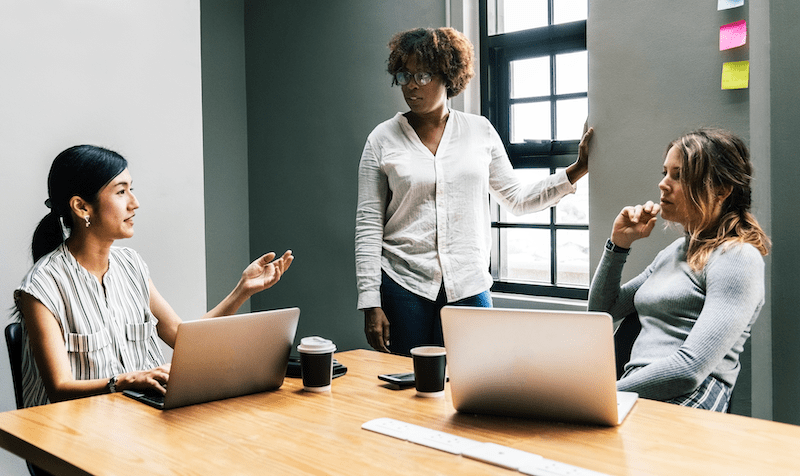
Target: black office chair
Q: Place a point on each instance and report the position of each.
(626, 333)
(14, 343)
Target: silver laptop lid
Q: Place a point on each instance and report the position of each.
(554, 365)
(230, 356)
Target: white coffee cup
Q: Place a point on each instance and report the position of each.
(316, 363)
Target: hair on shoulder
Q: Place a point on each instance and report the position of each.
(716, 163)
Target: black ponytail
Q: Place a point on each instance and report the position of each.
(82, 171)
(47, 237)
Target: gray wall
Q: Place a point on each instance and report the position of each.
(784, 106)
(125, 75)
(225, 146)
(655, 73)
(316, 86)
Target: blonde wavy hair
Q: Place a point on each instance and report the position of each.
(715, 161)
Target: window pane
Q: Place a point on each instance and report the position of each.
(531, 121)
(565, 11)
(573, 209)
(530, 77)
(573, 257)
(571, 115)
(572, 73)
(515, 15)
(525, 256)
(538, 218)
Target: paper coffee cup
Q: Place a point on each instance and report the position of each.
(429, 370)
(316, 363)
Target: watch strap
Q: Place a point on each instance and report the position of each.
(610, 246)
(112, 384)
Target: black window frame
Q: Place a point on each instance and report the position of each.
(496, 54)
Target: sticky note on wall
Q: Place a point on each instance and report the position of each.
(726, 4)
(732, 35)
(736, 75)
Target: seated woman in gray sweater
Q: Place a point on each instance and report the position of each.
(701, 295)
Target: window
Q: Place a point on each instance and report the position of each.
(535, 91)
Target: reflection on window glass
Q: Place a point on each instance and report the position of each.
(538, 218)
(572, 73)
(573, 209)
(565, 11)
(527, 256)
(530, 122)
(573, 257)
(516, 15)
(571, 115)
(540, 99)
(530, 77)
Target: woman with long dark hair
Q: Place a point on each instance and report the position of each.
(89, 311)
(699, 298)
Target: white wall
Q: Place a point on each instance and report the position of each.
(124, 75)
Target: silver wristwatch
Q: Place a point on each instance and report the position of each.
(112, 384)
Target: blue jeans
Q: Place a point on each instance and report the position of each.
(415, 320)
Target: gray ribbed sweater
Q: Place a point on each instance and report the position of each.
(693, 324)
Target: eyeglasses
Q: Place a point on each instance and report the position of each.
(404, 77)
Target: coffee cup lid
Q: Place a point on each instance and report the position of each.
(428, 351)
(315, 345)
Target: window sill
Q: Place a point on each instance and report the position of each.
(524, 301)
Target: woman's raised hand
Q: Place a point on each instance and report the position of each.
(264, 272)
(581, 166)
(633, 223)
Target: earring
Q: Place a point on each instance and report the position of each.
(87, 221)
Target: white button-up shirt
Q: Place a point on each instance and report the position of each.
(424, 219)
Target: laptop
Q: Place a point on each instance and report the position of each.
(226, 357)
(553, 365)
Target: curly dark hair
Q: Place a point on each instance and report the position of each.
(444, 50)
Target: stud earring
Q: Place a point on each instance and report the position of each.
(87, 221)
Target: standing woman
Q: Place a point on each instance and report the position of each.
(701, 295)
(423, 224)
(89, 310)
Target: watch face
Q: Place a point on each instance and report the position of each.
(112, 384)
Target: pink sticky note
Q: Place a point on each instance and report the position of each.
(732, 35)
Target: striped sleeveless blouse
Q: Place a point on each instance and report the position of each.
(108, 329)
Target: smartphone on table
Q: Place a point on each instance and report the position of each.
(398, 381)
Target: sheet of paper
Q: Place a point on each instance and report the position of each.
(732, 35)
(736, 75)
(727, 4)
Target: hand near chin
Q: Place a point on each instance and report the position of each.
(633, 223)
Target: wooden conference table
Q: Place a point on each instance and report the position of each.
(290, 431)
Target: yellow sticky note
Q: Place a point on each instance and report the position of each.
(736, 75)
